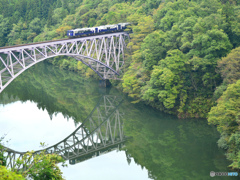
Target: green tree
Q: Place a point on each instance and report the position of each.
(229, 66)
(18, 34)
(6, 174)
(34, 28)
(167, 81)
(43, 167)
(227, 118)
(4, 30)
(58, 15)
(49, 18)
(211, 45)
(152, 49)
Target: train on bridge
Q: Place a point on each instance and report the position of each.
(97, 30)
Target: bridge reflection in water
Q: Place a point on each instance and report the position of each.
(100, 133)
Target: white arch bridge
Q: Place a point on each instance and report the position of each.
(102, 53)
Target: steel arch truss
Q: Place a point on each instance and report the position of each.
(101, 132)
(103, 53)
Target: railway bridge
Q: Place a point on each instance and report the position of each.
(100, 133)
(104, 54)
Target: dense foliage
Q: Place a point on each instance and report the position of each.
(6, 174)
(39, 166)
(175, 69)
(226, 114)
(178, 58)
(43, 167)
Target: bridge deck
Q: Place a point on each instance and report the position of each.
(52, 42)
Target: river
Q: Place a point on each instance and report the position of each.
(46, 104)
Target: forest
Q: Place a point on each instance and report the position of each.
(183, 58)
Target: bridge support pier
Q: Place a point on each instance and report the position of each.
(104, 83)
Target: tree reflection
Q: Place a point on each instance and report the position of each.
(169, 148)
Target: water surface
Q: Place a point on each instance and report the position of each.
(46, 104)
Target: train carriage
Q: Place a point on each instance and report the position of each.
(96, 30)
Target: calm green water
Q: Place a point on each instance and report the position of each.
(46, 104)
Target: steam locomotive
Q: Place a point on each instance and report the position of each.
(96, 30)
